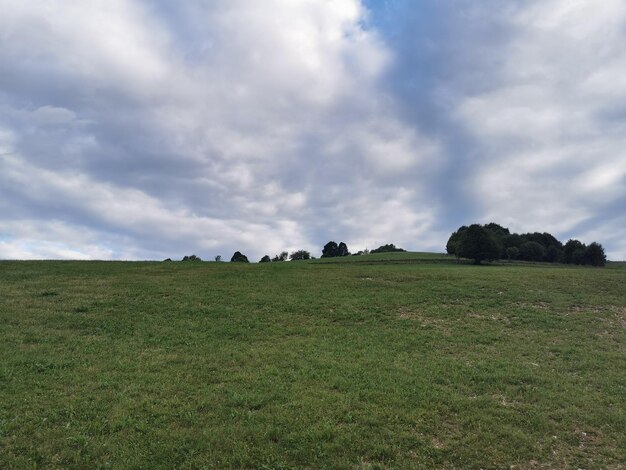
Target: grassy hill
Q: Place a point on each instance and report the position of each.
(381, 361)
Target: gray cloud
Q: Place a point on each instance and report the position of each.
(150, 130)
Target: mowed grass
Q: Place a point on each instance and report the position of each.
(381, 361)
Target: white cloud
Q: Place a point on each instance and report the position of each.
(215, 141)
(552, 156)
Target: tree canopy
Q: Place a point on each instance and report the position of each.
(238, 257)
(299, 255)
(478, 243)
(536, 246)
(332, 250)
(389, 248)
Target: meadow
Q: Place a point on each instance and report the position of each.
(397, 360)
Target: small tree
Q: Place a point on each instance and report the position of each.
(300, 255)
(239, 258)
(478, 243)
(192, 258)
(282, 257)
(218, 258)
(265, 259)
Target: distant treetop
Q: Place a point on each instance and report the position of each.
(332, 250)
(239, 258)
(390, 248)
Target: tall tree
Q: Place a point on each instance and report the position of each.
(479, 244)
(330, 250)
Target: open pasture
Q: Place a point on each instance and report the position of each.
(380, 361)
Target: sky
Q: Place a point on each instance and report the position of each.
(133, 129)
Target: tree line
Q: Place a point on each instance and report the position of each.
(330, 250)
(493, 242)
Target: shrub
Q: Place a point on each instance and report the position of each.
(192, 258)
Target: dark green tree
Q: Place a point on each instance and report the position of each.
(330, 250)
(239, 258)
(452, 246)
(513, 239)
(553, 254)
(532, 251)
(594, 255)
(342, 249)
(498, 230)
(570, 248)
(282, 257)
(512, 253)
(478, 243)
(389, 248)
(299, 255)
(265, 259)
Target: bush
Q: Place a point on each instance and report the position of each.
(239, 258)
(265, 259)
(192, 258)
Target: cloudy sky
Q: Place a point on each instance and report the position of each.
(134, 129)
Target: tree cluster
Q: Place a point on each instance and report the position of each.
(492, 241)
(332, 250)
(389, 248)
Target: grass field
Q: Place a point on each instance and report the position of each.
(380, 361)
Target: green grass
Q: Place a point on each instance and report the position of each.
(380, 361)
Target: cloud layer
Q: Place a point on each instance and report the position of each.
(145, 130)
